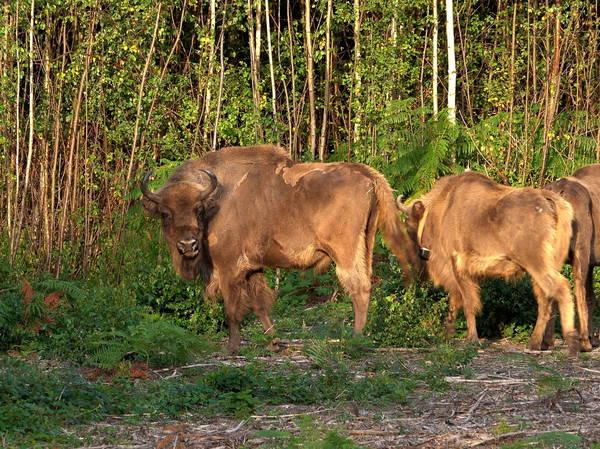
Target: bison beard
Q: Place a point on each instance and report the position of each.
(582, 191)
(475, 228)
(267, 211)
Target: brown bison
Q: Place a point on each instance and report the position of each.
(234, 212)
(468, 227)
(582, 190)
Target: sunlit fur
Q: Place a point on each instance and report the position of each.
(476, 228)
(582, 191)
(268, 211)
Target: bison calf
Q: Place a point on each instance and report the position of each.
(469, 227)
(228, 216)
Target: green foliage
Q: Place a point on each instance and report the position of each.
(447, 360)
(400, 316)
(554, 440)
(37, 402)
(549, 381)
(157, 344)
(311, 435)
(509, 309)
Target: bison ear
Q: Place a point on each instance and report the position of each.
(150, 206)
(418, 210)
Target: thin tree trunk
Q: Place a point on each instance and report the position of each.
(551, 96)
(271, 70)
(356, 75)
(511, 81)
(451, 62)
(323, 137)
(312, 143)
(211, 57)
(254, 38)
(136, 127)
(295, 114)
(15, 231)
(221, 79)
(164, 71)
(23, 203)
(67, 198)
(435, 57)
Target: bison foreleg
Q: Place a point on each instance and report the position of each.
(236, 305)
(454, 305)
(261, 301)
(471, 301)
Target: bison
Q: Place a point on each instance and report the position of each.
(582, 190)
(469, 227)
(231, 214)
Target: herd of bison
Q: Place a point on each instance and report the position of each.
(234, 212)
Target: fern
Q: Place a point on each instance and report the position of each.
(156, 343)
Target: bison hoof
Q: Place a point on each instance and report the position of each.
(274, 345)
(585, 345)
(547, 346)
(572, 341)
(534, 346)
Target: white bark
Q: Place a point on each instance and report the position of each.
(451, 62)
(435, 57)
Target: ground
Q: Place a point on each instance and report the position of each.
(507, 398)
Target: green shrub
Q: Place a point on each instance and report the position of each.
(157, 344)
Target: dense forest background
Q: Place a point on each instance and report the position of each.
(94, 92)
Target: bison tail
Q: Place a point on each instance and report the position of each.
(564, 229)
(393, 229)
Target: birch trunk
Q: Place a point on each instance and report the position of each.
(435, 58)
(451, 62)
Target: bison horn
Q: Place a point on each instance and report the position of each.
(401, 206)
(146, 191)
(211, 187)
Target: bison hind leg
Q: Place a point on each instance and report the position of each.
(549, 288)
(357, 284)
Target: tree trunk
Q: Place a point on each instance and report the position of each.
(451, 62)
(323, 137)
(551, 96)
(435, 58)
(271, 70)
(312, 143)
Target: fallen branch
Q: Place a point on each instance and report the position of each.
(453, 379)
(292, 415)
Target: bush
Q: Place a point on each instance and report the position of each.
(400, 316)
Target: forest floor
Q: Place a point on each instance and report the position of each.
(507, 398)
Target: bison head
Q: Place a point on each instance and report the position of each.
(414, 214)
(181, 207)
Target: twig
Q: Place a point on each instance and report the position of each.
(236, 428)
(471, 409)
(372, 432)
(589, 370)
(292, 415)
(452, 379)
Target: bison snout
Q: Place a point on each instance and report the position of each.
(188, 248)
